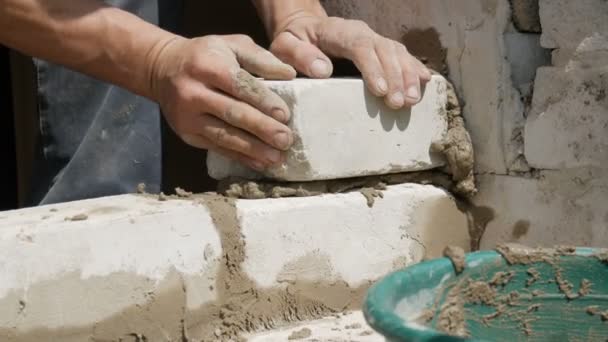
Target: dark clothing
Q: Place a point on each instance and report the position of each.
(97, 139)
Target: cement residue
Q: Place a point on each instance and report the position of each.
(247, 189)
(371, 193)
(457, 148)
(243, 307)
(78, 217)
(451, 319)
(300, 334)
(480, 292)
(457, 256)
(353, 326)
(182, 193)
(521, 255)
(141, 188)
(585, 287)
(452, 315)
(534, 276)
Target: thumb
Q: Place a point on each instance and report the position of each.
(304, 56)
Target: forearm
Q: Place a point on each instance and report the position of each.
(277, 14)
(85, 35)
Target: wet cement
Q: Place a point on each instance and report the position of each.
(457, 256)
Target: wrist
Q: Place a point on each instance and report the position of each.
(155, 69)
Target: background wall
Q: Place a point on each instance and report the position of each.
(535, 104)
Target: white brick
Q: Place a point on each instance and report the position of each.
(405, 223)
(567, 124)
(344, 131)
(137, 265)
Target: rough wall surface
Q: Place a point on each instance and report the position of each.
(539, 137)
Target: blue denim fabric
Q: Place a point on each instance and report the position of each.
(97, 139)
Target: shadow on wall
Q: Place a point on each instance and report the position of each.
(8, 160)
(388, 119)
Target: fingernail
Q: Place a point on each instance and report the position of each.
(412, 93)
(319, 68)
(282, 140)
(279, 114)
(273, 156)
(397, 99)
(257, 165)
(382, 85)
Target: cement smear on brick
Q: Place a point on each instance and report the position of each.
(242, 306)
(458, 149)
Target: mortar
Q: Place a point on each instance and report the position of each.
(512, 294)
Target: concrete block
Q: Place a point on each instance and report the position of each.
(567, 124)
(341, 131)
(567, 23)
(125, 266)
(557, 208)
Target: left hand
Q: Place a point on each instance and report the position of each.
(388, 69)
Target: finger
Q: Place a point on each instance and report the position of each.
(411, 77)
(304, 56)
(223, 135)
(424, 74)
(244, 116)
(243, 86)
(389, 58)
(354, 40)
(363, 55)
(204, 143)
(258, 60)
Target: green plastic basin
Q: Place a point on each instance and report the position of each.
(409, 304)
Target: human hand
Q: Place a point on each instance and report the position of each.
(388, 69)
(212, 102)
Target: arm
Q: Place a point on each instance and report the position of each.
(203, 85)
(87, 36)
(303, 36)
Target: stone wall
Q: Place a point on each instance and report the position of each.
(532, 77)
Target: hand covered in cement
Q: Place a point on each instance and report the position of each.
(388, 69)
(211, 100)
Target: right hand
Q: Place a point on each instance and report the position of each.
(211, 101)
